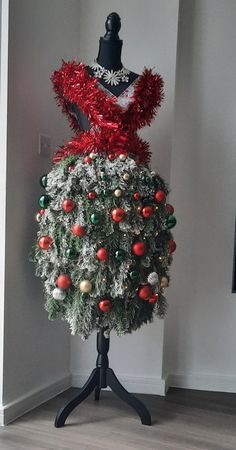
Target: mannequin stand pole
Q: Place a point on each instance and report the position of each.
(101, 377)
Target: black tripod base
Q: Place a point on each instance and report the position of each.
(101, 377)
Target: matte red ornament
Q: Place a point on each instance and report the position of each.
(91, 195)
(102, 254)
(41, 212)
(68, 205)
(78, 230)
(63, 281)
(45, 242)
(145, 292)
(170, 209)
(147, 212)
(139, 248)
(88, 160)
(171, 245)
(160, 196)
(118, 214)
(153, 298)
(105, 305)
(111, 156)
(136, 196)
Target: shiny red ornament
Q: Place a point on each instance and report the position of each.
(139, 248)
(145, 292)
(147, 212)
(154, 297)
(136, 196)
(118, 214)
(88, 160)
(63, 281)
(45, 242)
(160, 196)
(170, 209)
(41, 212)
(105, 305)
(68, 205)
(171, 246)
(102, 254)
(111, 156)
(78, 230)
(91, 195)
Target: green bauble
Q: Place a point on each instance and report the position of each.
(43, 181)
(44, 201)
(120, 255)
(84, 295)
(171, 222)
(71, 253)
(134, 275)
(95, 218)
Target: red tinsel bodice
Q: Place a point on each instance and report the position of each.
(113, 126)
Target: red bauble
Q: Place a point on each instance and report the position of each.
(118, 214)
(87, 160)
(68, 205)
(147, 211)
(153, 298)
(78, 230)
(171, 246)
(105, 305)
(136, 196)
(41, 212)
(91, 195)
(44, 242)
(160, 196)
(139, 248)
(170, 209)
(145, 292)
(63, 281)
(111, 156)
(102, 254)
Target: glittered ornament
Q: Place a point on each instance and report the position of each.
(153, 278)
(63, 281)
(171, 221)
(136, 196)
(122, 157)
(170, 208)
(154, 297)
(145, 292)
(44, 201)
(160, 196)
(88, 160)
(111, 157)
(95, 218)
(164, 282)
(102, 254)
(45, 242)
(59, 294)
(171, 246)
(71, 253)
(85, 286)
(68, 205)
(118, 214)
(43, 181)
(120, 255)
(118, 193)
(105, 305)
(78, 230)
(126, 177)
(139, 248)
(147, 212)
(91, 195)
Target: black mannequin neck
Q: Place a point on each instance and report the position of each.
(109, 54)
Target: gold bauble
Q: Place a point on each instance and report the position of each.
(126, 176)
(85, 286)
(122, 157)
(118, 193)
(164, 282)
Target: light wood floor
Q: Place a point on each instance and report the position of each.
(183, 420)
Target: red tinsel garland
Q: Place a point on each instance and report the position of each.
(114, 129)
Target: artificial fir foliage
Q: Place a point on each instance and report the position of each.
(104, 243)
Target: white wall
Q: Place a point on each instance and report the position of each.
(36, 352)
(200, 329)
(149, 32)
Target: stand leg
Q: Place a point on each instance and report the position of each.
(97, 393)
(88, 387)
(121, 392)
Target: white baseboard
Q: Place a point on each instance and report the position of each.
(32, 399)
(133, 383)
(203, 382)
